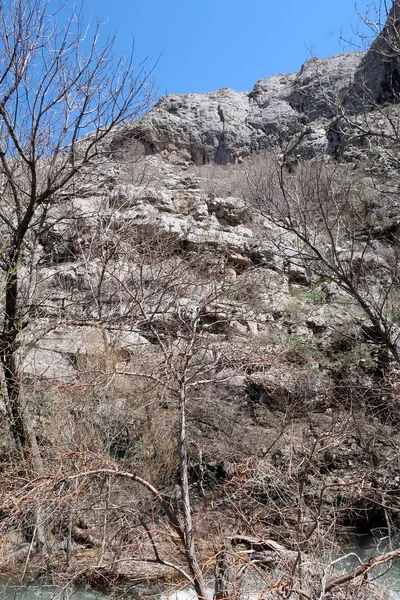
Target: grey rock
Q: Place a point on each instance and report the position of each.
(127, 340)
(297, 274)
(233, 211)
(224, 126)
(313, 143)
(238, 260)
(41, 362)
(124, 196)
(231, 376)
(57, 353)
(272, 124)
(89, 208)
(238, 327)
(203, 127)
(377, 79)
(69, 340)
(73, 278)
(278, 87)
(161, 199)
(253, 327)
(324, 82)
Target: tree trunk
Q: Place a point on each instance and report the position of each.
(21, 426)
(191, 557)
(15, 412)
(10, 330)
(225, 577)
(36, 461)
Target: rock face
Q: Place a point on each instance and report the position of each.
(58, 353)
(160, 271)
(377, 78)
(225, 125)
(322, 83)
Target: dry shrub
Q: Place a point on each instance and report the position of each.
(223, 181)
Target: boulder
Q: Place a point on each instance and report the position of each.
(231, 210)
(43, 362)
(56, 354)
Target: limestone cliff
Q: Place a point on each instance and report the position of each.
(224, 126)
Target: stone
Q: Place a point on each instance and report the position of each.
(312, 144)
(56, 354)
(42, 362)
(239, 260)
(224, 126)
(238, 327)
(321, 83)
(124, 196)
(127, 340)
(298, 274)
(232, 211)
(203, 127)
(377, 78)
(253, 327)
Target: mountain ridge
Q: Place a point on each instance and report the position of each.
(224, 126)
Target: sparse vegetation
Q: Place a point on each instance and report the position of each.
(200, 365)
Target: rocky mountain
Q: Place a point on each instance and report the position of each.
(223, 126)
(377, 78)
(237, 252)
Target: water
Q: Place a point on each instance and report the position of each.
(13, 590)
(386, 576)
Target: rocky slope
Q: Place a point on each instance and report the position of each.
(159, 255)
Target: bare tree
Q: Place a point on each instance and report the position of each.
(340, 221)
(178, 303)
(366, 123)
(61, 96)
(327, 221)
(377, 78)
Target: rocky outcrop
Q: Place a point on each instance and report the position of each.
(322, 83)
(301, 108)
(377, 79)
(140, 274)
(224, 126)
(58, 354)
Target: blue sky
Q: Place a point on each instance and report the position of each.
(209, 44)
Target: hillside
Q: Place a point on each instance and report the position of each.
(212, 307)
